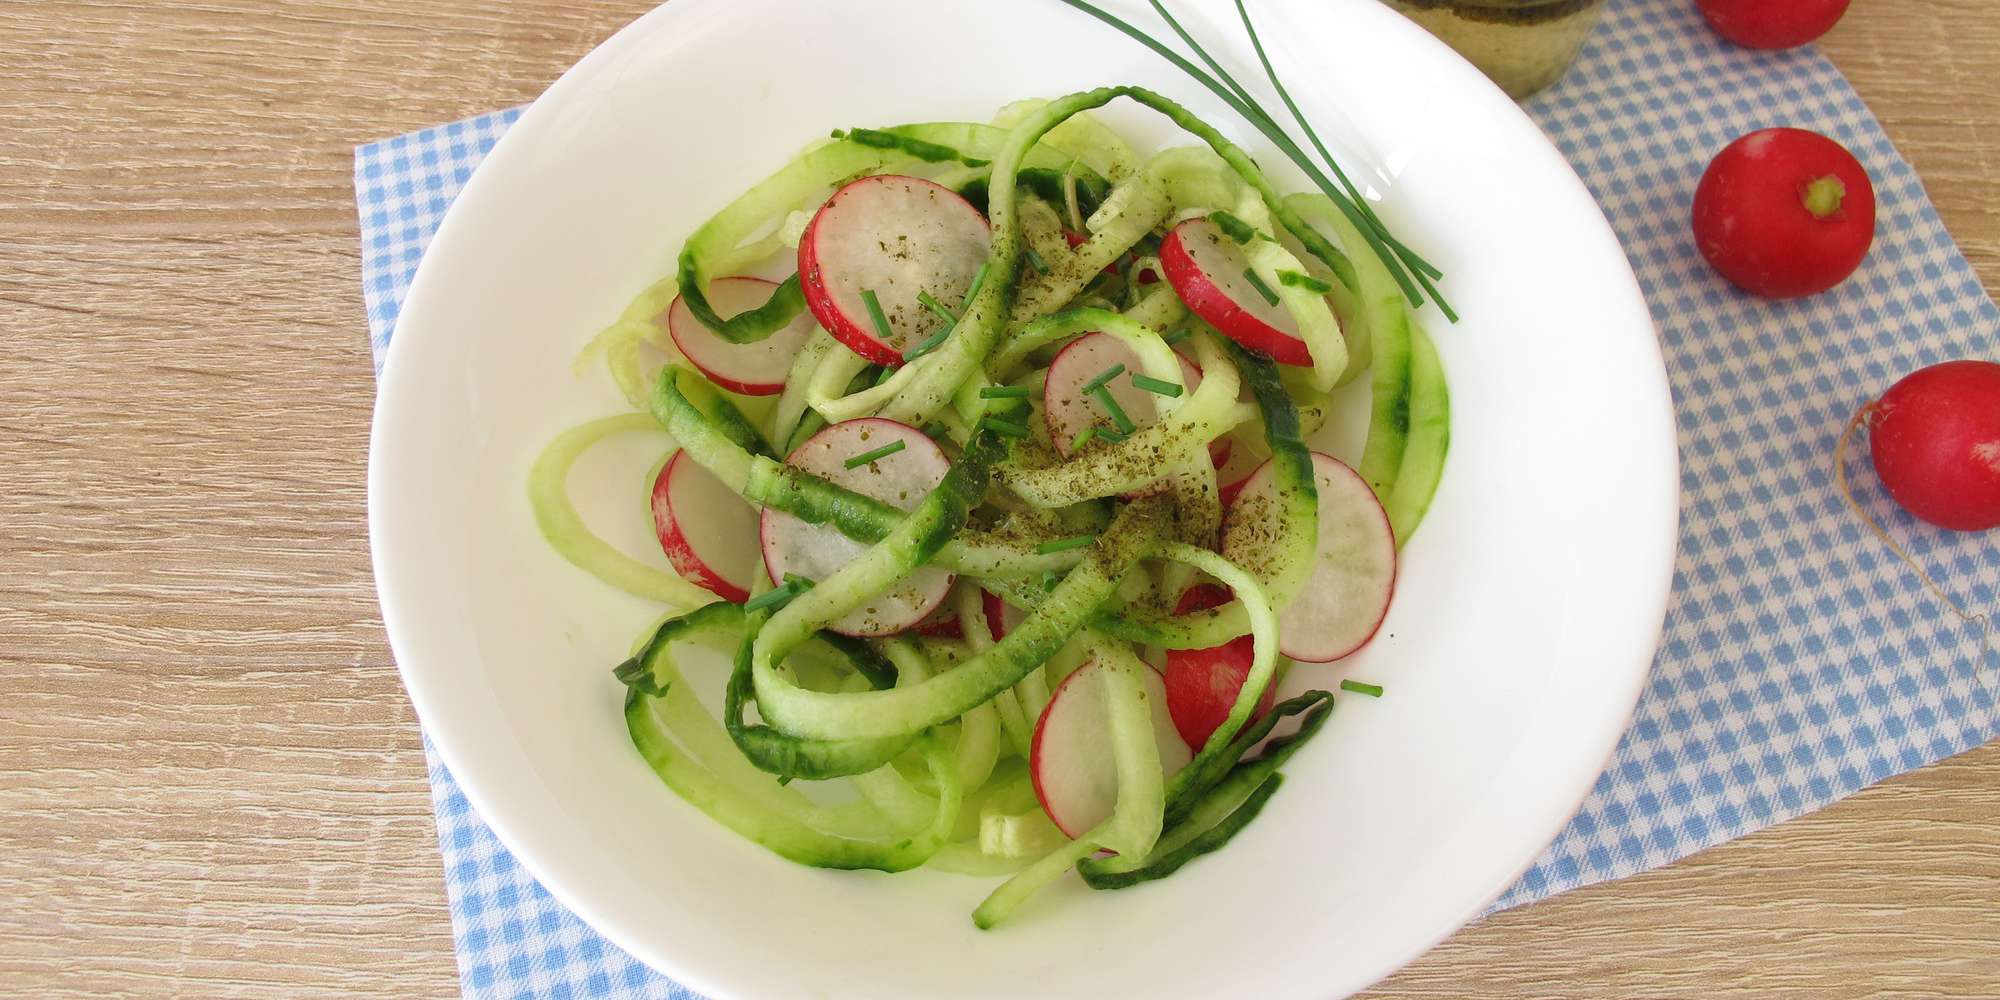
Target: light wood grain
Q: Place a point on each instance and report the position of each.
(210, 781)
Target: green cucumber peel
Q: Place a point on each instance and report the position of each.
(1429, 441)
(878, 714)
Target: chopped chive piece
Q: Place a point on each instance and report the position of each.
(1110, 435)
(927, 346)
(942, 311)
(1064, 545)
(1179, 335)
(1104, 377)
(875, 314)
(1083, 438)
(978, 281)
(1003, 392)
(1232, 227)
(884, 375)
(1300, 279)
(1049, 580)
(1156, 386)
(869, 456)
(799, 583)
(1371, 690)
(1256, 281)
(1035, 260)
(1111, 407)
(1006, 428)
(774, 598)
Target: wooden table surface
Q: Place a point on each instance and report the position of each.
(211, 783)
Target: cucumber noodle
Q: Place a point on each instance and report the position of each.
(1094, 549)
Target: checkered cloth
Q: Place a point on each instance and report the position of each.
(1801, 660)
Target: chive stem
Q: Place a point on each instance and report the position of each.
(1157, 386)
(869, 456)
(876, 316)
(1356, 687)
(1035, 260)
(941, 310)
(1104, 377)
(1006, 428)
(1119, 419)
(1257, 281)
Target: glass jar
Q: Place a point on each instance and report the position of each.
(1523, 45)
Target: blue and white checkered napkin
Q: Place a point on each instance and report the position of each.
(1801, 661)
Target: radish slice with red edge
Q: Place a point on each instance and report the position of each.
(894, 236)
(1207, 269)
(900, 479)
(1354, 565)
(1202, 684)
(754, 369)
(1069, 409)
(706, 530)
(1070, 760)
(941, 624)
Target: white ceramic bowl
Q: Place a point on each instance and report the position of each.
(1529, 605)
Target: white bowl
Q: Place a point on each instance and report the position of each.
(1529, 604)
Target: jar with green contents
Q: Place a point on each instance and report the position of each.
(1524, 45)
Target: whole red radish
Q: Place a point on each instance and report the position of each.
(1935, 437)
(1202, 684)
(1772, 24)
(1784, 213)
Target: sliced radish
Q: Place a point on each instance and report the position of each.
(754, 369)
(1206, 269)
(1354, 565)
(901, 479)
(1202, 684)
(705, 529)
(1069, 409)
(1070, 760)
(895, 236)
(940, 624)
(1001, 617)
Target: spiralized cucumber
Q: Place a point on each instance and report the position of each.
(936, 735)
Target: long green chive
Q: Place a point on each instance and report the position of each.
(1082, 439)
(1371, 690)
(1003, 392)
(1232, 227)
(1416, 263)
(1399, 258)
(942, 311)
(1117, 413)
(1156, 386)
(1064, 545)
(1110, 435)
(1006, 428)
(1179, 335)
(869, 456)
(875, 315)
(1049, 580)
(1257, 281)
(1300, 279)
(1104, 377)
(1035, 260)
